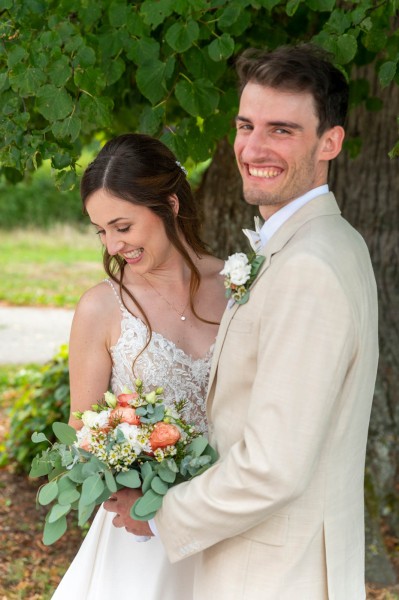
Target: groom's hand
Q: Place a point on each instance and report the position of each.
(120, 503)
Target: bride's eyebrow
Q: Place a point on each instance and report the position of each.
(112, 222)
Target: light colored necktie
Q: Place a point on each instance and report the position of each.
(254, 236)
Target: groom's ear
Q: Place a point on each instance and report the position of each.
(174, 202)
(331, 143)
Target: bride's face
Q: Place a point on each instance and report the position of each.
(134, 232)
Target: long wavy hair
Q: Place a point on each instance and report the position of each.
(142, 170)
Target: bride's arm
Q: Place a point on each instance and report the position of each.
(89, 359)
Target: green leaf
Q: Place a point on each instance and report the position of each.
(229, 15)
(143, 50)
(90, 80)
(154, 13)
(180, 36)
(346, 48)
(117, 14)
(96, 110)
(113, 70)
(197, 446)
(149, 78)
(15, 56)
(75, 474)
(221, 48)
(26, 81)
(65, 433)
(159, 486)
(38, 437)
(68, 497)
(166, 474)
(85, 57)
(58, 511)
(53, 531)
(92, 487)
(151, 119)
(53, 103)
(60, 71)
(292, 6)
(84, 512)
(199, 98)
(148, 504)
(387, 72)
(69, 127)
(110, 481)
(40, 466)
(130, 479)
(48, 493)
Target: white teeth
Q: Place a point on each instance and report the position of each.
(265, 173)
(134, 254)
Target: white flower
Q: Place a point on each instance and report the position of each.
(237, 268)
(133, 435)
(94, 419)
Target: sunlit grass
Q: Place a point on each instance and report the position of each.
(48, 268)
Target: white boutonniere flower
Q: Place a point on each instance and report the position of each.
(240, 270)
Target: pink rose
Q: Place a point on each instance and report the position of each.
(164, 434)
(125, 414)
(124, 399)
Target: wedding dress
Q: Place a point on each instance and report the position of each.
(110, 562)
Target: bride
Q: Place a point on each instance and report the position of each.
(155, 317)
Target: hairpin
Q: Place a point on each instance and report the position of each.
(181, 167)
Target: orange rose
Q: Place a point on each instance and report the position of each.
(123, 399)
(164, 434)
(125, 414)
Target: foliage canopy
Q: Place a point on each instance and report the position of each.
(71, 69)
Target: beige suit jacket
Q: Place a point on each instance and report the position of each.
(280, 516)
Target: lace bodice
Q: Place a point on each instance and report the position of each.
(161, 364)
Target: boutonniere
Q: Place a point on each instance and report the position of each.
(240, 271)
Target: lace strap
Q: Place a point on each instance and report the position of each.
(123, 309)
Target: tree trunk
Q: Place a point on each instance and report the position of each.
(367, 190)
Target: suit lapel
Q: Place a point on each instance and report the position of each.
(323, 205)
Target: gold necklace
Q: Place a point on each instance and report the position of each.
(181, 314)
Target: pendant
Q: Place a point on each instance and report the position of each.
(182, 318)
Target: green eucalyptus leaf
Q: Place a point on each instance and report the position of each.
(38, 437)
(159, 486)
(110, 481)
(48, 493)
(68, 497)
(84, 512)
(92, 488)
(130, 479)
(65, 433)
(76, 474)
(53, 531)
(57, 511)
(40, 466)
(197, 446)
(166, 474)
(149, 503)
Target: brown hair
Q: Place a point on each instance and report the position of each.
(142, 170)
(302, 68)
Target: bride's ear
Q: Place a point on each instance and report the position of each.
(174, 202)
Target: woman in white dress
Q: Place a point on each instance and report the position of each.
(156, 318)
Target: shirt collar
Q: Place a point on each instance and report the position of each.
(274, 222)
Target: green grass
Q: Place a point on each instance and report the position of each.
(48, 268)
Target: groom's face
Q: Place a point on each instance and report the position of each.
(278, 151)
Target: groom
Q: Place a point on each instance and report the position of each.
(280, 516)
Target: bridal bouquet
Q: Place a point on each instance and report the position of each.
(132, 440)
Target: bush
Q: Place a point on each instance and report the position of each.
(40, 396)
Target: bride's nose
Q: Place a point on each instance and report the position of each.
(114, 246)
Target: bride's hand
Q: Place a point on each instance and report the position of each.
(121, 503)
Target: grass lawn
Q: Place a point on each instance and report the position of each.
(50, 268)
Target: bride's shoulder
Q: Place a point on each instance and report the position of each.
(97, 302)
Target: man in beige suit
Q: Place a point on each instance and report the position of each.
(280, 516)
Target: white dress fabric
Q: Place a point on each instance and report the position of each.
(110, 562)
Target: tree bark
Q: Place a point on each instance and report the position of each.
(367, 191)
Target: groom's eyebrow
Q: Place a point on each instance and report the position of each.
(288, 124)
